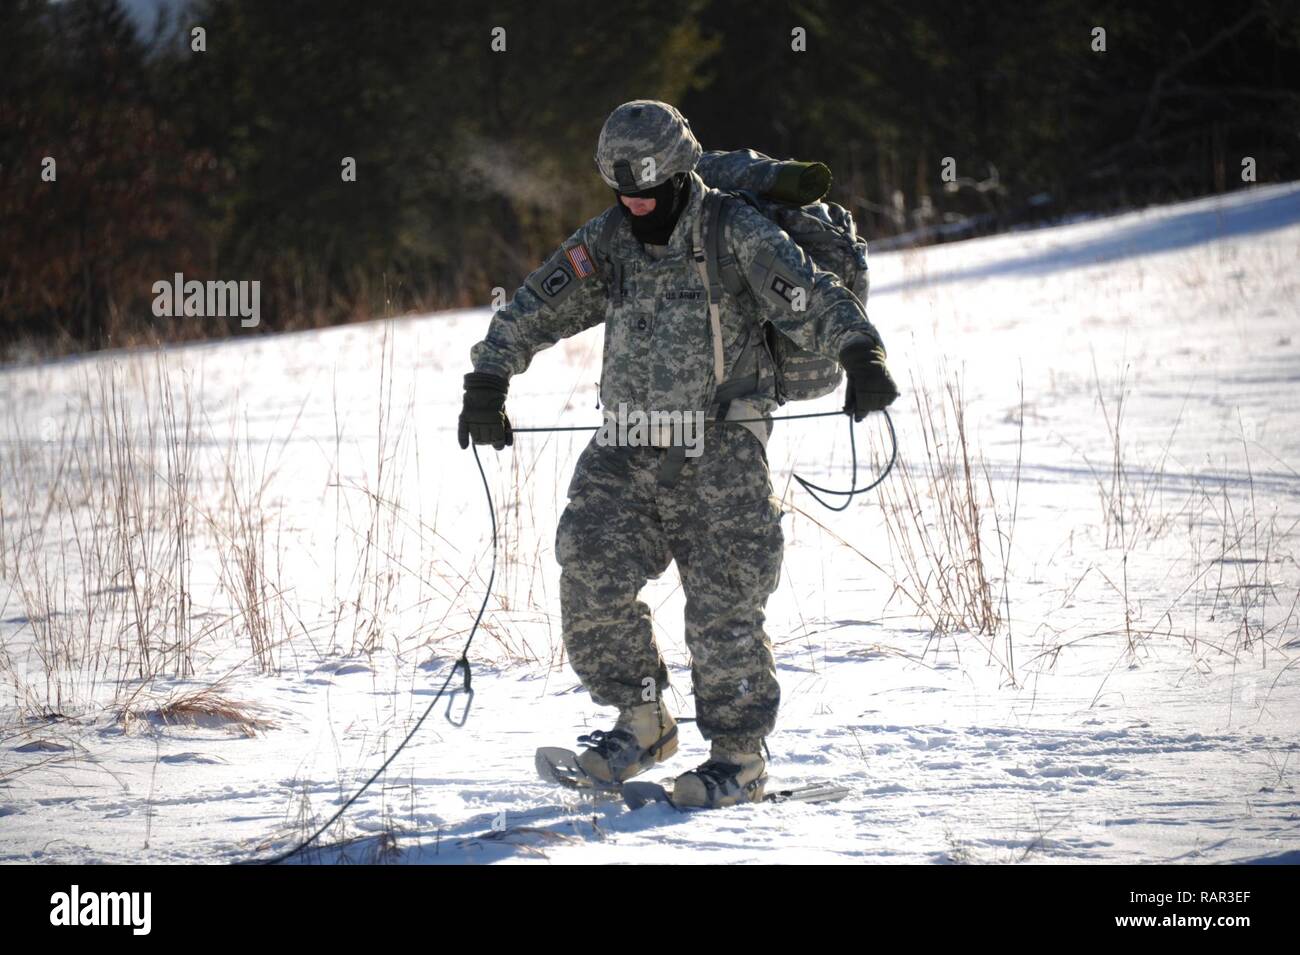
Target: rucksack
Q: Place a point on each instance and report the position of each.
(827, 234)
(824, 230)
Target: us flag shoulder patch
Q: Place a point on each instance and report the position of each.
(580, 260)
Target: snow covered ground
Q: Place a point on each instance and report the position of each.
(233, 575)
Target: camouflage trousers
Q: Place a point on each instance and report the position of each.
(719, 522)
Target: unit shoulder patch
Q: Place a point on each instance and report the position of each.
(562, 273)
(555, 282)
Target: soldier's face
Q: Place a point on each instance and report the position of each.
(638, 207)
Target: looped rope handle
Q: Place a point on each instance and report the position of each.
(467, 689)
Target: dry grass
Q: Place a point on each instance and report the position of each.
(109, 503)
(201, 707)
(936, 514)
(144, 540)
(99, 551)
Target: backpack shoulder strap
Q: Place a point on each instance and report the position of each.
(722, 272)
(703, 235)
(605, 253)
(612, 222)
(706, 246)
(724, 267)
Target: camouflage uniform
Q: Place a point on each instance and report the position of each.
(720, 523)
(625, 522)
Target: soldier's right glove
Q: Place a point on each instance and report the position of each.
(801, 182)
(483, 416)
(871, 388)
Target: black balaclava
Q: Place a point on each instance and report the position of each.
(670, 196)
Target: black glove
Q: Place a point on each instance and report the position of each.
(870, 386)
(483, 416)
(801, 182)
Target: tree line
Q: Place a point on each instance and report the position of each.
(223, 154)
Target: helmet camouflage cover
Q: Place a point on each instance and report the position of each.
(645, 143)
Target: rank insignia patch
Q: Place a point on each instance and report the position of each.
(783, 287)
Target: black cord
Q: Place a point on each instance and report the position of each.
(803, 482)
(462, 662)
(786, 417)
(853, 489)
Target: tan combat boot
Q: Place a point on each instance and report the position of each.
(726, 779)
(644, 735)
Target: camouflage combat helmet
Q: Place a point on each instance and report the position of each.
(645, 143)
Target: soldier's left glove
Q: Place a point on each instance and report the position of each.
(483, 416)
(871, 388)
(801, 182)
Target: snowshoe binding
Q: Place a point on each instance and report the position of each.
(724, 780)
(643, 736)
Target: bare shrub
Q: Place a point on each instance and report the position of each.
(935, 514)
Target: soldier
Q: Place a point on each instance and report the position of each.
(675, 350)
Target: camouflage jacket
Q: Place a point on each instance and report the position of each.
(659, 345)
